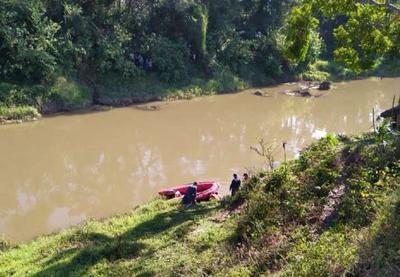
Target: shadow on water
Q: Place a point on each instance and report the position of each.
(89, 110)
(90, 248)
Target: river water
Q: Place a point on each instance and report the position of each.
(65, 169)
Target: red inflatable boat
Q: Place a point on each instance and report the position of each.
(205, 191)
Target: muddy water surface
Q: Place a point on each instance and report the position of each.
(62, 170)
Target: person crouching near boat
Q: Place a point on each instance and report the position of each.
(189, 200)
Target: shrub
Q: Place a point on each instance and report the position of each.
(374, 163)
(28, 42)
(10, 94)
(171, 59)
(327, 69)
(68, 95)
(311, 75)
(317, 166)
(18, 113)
(238, 53)
(272, 203)
(225, 81)
(18, 95)
(112, 57)
(4, 244)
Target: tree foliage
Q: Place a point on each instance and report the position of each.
(368, 32)
(171, 59)
(90, 42)
(29, 42)
(302, 23)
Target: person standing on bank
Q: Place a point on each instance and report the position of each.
(189, 200)
(235, 184)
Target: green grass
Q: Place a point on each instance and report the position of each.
(281, 223)
(21, 113)
(155, 238)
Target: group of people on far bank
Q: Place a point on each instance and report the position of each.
(189, 198)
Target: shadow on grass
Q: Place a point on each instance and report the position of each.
(89, 248)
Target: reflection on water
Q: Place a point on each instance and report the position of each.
(61, 218)
(62, 170)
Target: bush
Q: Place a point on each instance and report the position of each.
(28, 42)
(322, 70)
(274, 202)
(67, 95)
(4, 244)
(225, 81)
(287, 193)
(238, 53)
(19, 95)
(18, 113)
(171, 59)
(317, 166)
(112, 55)
(10, 94)
(374, 164)
(319, 76)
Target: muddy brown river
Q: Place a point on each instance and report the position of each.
(65, 169)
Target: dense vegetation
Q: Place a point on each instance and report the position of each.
(66, 55)
(360, 34)
(63, 55)
(333, 211)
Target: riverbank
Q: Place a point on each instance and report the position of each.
(67, 95)
(330, 212)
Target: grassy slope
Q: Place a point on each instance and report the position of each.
(156, 238)
(335, 210)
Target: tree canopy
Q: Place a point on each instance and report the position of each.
(368, 31)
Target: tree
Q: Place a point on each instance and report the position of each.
(29, 44)
(369, 33)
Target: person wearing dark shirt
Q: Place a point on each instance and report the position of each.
(235, 184)
(190, 196)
